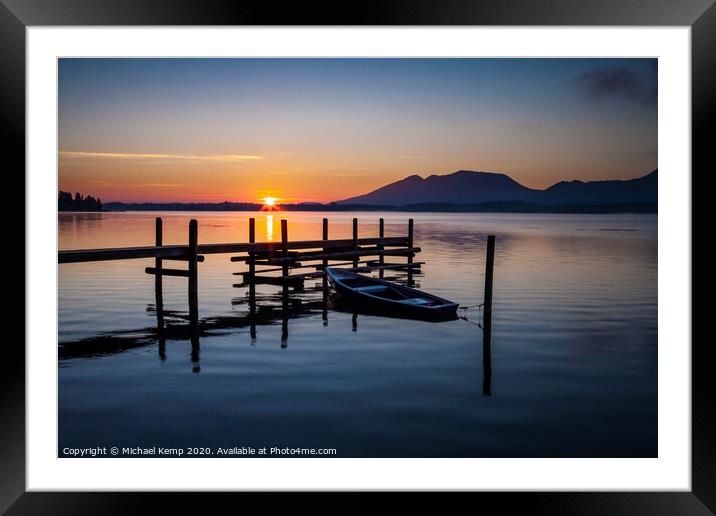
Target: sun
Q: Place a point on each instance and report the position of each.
(270, 204)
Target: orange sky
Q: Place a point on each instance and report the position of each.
(212, 130)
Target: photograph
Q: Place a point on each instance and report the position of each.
(357, 257)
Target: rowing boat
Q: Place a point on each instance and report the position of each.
(387, 298)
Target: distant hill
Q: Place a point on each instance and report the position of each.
(643, 189)
(468, 187)
(461, 187)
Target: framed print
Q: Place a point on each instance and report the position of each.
(425, 249)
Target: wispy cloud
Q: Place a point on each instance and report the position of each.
(345, 166)
(616, 81)
(161, 157)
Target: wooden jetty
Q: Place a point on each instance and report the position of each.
(284, 255)
(360, 254)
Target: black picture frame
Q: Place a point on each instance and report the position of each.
(700, 15)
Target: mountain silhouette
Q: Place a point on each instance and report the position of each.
(469, 187)
(640, 190)
(461, 187)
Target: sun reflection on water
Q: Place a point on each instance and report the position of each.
(269, 228)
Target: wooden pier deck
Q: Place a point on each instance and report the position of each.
(180, 251)
(282, 255)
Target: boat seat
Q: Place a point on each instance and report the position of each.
(372, 288)
(416, 301)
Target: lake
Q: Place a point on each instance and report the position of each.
(570, 369)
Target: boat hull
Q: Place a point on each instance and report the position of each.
(362, 300)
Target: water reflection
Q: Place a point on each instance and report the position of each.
(487, 359)
(269, 228)
(574, 349)
(263, 310)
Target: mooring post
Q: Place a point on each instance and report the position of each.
(284, 297)
(324, 312)
(192, 257)
(158, 242)
(325, 261)
(381, 235)
(489, 267)
(252, 240)
(355, 241)
(284, 251)
(252, 278)
(284, 244)
(410, 252)
(410, 239)
(193, 293)
(158, 293)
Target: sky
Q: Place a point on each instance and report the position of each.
(213, 130)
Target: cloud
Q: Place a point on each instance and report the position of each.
(605, 82)
(161, 157)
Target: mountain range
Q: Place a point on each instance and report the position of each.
(464, 191)
(466, 187)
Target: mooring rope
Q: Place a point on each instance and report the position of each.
(472, 306)
(469, 321)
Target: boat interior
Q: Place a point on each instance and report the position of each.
(386, 292)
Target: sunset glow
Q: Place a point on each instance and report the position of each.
(269, 204)
(214, 130)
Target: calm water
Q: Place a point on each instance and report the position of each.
(571, 369)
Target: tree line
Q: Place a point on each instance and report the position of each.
(65, 202)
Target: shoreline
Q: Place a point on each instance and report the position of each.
(411, 208)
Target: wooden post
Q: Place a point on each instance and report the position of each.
(410, 256)
(191, 258)
(381, 235)
(324, 236)
(158, 291)
(325, 260)
(284, 297)
(410, 238)
(355, 241)
(252, 240)
(158, 241)
(489, 267)
(252, 281)
(284, 244)
(193, 293)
